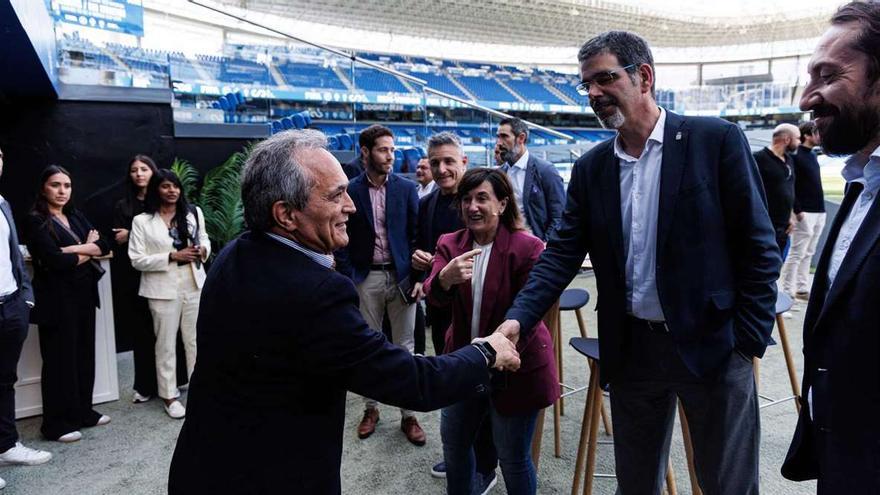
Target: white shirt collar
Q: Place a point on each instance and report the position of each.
(523, 161)
(656, 136)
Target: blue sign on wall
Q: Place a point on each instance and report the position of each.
(121, 16)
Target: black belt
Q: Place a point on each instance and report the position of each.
(8, 297)
(382, 267)
(654, 326)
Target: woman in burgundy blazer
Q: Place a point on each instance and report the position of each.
(494, 254)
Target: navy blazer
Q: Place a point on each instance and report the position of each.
(717, 259)
(281, 340)
(401, 217)
(543, 196)
(19, 272)
(842, 337)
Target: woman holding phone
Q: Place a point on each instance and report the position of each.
(168, 244)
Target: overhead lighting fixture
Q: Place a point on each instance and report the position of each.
(574, 11)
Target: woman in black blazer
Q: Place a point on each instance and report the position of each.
(63, 244)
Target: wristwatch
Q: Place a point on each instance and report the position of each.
(487, 350)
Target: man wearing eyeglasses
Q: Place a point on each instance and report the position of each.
(672, 214)
(776, 166)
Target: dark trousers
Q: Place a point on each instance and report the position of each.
(13, 331)
(144, 350)
(68, 378)
(419, 331)
(722, 412)
(439, 319)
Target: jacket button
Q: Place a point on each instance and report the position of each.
(481, 389)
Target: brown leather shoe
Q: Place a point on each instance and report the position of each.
(803, 296)
(368, 424)
(412, 430)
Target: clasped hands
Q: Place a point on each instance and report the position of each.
(504, 340)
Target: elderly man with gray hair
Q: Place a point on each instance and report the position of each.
(776, 166)
(282, 340)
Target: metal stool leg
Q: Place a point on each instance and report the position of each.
(559, 366)
(689, 450)
(789, 362)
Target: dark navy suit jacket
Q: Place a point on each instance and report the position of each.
(842, 338)
(401, 217)
(717, 259)
(543, 196)
(281, 340)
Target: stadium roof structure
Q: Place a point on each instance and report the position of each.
(563, 23)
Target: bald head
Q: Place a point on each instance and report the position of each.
(786, 137)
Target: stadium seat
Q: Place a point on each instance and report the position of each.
(287, 123)
(333, 143)
(411, 159)
(276, 126)
(398, 160)
(299, 121)
(345, 142)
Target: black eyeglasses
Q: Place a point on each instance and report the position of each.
(601, 79)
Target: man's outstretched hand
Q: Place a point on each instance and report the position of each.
(510, 329)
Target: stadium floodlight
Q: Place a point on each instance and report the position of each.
(386, 70)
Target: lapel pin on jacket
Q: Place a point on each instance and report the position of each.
(678, 136)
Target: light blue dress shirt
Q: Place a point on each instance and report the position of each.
(325, 260)
(868, 174)
(639, 207)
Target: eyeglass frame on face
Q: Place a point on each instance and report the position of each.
(583, 88)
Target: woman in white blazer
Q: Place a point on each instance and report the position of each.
(170, 261)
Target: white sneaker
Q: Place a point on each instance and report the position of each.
(73, 436)
(787, 315)
(175, 410)
(137, 398)
(103, 420)
(2, 483)
(24, 456)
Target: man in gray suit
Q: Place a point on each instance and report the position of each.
(16, 299)
(536, 183)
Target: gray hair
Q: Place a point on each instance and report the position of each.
(273, 173)
(444, 138)
(629, 48)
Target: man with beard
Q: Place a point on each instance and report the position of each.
(777, 173)
(809, 210)
(837, 439)
(537, 185)
(381, 241)
(672, 214)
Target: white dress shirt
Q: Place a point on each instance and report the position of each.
(426, 189)
(517, 174)
(481, 262)
(639, 207)
(7, 278)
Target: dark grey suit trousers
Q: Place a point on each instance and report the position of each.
(722, 412)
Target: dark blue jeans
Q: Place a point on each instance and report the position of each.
(513, 439)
